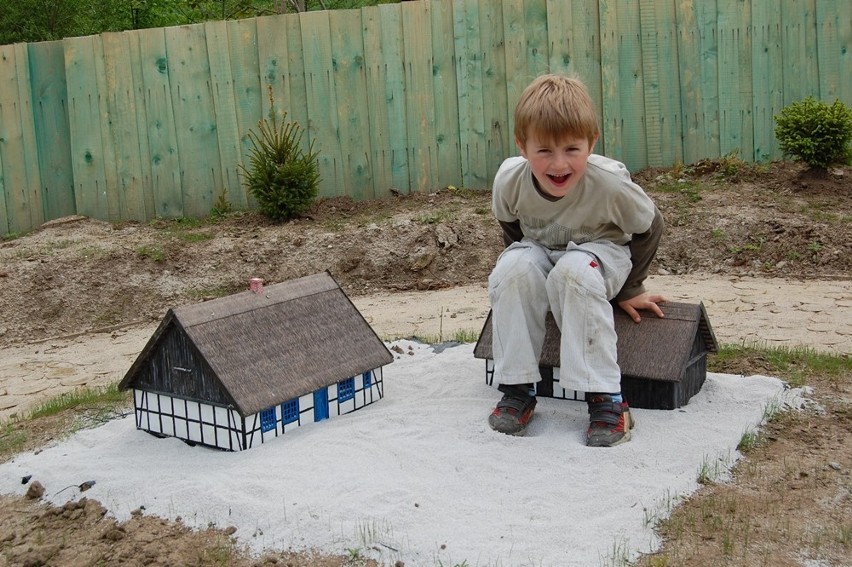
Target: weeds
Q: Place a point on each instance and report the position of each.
(12, 439)
(108, 397)
(153, 253)
(212, 292)
(222, 207)
(794, 363)
(437, 217)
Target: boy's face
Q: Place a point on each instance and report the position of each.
(557, 166)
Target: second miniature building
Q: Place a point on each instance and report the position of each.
(662, 361)
(236, 371)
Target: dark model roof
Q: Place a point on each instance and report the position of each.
(286, 341)
(657, 349)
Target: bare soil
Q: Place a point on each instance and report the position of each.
(793, 492)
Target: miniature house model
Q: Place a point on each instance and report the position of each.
(236, 371)
(663, 361)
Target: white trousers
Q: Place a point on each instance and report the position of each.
(576, 285)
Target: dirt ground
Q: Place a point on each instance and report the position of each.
(75, 275)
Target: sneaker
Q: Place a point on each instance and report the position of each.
(609, 422)
(512, 414)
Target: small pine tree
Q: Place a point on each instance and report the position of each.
(815, 132)
(282, 177)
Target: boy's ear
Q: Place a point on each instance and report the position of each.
(592, 145)
(521, 147)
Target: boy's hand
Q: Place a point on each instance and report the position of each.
(643, 301)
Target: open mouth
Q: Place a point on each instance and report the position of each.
(559, 179)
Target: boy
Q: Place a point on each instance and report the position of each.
(579, 234)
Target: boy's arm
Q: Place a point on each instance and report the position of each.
(643, 248)
(511, 231)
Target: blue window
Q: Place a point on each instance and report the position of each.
(346, 389)
(267, 420)
(368, 379)
(290, 411)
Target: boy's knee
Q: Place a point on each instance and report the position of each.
(518, 264)
(580, 269)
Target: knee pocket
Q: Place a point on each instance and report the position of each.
(578, 269)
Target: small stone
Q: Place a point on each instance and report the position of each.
(835, 466)
(35, 491)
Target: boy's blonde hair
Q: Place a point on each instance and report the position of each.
(555, 107)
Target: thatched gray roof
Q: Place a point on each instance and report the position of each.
(656, 349)
(287, 341)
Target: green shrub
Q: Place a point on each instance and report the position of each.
(282, 177)
(814, 132)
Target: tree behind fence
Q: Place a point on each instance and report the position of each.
(412, 96)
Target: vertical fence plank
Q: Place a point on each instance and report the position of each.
(31, 160)
(444, 88)
(689, 69)
(394, 93)
(610, 143)
(224, 110)
(50, 117)
(834, 25)
(273, 37)
(123, 131)
(85, 118)
(136, 65)
(298, 85)
(19, 175)
(352, 110)
(499, 141)
(323, 124)
(419, 102)
(632, 116)
(469, 77)
(794, 56)
(195, 118)
(103, 88)
(811, 77)
(248, 94)
(535, 18)
(767, 78)
(586, 52)
(376, 74)
(844, 49)
(560, 38)
(734, 80)
(707, 15)
(662, 84)
(164, 158)
(4, 215)
(650, 38)
(518, 75)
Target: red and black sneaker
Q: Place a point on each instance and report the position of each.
(512, 414)
(609, 422)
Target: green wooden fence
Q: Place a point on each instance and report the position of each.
(411, 96)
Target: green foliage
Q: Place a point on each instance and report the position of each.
(814, 132)
(282, 176)
(222, 207)
(44, 20)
